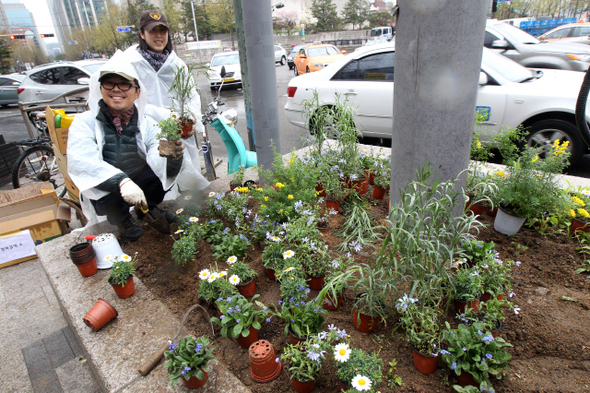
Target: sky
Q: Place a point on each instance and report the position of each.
(40, 12)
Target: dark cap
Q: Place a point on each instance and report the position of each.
(152, 18)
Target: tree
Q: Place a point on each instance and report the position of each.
(381, 18)
(202, 17)
(105, 37)
(222, 17)
(325, 13)
(355, 12)
(174, 16)
(134, 10)
(5, 57)
(285, 20)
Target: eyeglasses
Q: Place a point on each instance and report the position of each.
(123, 86)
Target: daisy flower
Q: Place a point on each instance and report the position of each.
(204, 274)
(125, 258)
(288, 254)
(188, 198)
(361, 383)
(231, 260)
(211, 194)
(179, 211)
(276, 239)
(222, 273)
(107, 258)
(193, 219)
(234, 280)
(212, 277)
(178, 231)
(341, 352)
(289, 269)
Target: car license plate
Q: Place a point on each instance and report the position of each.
(228, 79)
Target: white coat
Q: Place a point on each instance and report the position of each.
(158, 84)
(86, 165)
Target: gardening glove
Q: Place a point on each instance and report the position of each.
(132, 194)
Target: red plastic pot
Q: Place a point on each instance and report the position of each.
(487, 296)
(477, 209)
(461, 305)
(271, 274)
(360, 186)
(324, 227)
(316, 283)
(294, 339)
(186, 129)
(99, 315)
(124, 291)
(333, 205)
(248, 289)
(378, 192)
(466, 379)
(364, 323)
(330, 304)
(371, 177)
(194, 382)
(579, 226)
(250, 339)
(302, 387)
(426, 364)
(495, 332)
(83, 256)
(88, 269)
(264, 365)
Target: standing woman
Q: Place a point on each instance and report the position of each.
(155, 62)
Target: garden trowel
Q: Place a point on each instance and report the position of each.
(156, 220)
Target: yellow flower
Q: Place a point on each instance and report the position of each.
(572, 212)
(578, 201)
(583, 213)
(279, 185)
(501, 174)
(535, 159)
(243, 190)
(478, 144)
(260, 189)
(281, 211)
(262, 206)
(290, 196)
(266, 199)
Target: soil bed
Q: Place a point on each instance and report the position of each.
(551, 336)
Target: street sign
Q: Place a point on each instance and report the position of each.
(202, 45)
(123, 29)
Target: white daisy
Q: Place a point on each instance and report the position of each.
(125, 258)
(234, 280)
(288, 254)
(107, 258)
(212, 277)
(231, 260)
(204, 274)
(289, 269)
(341, 352)
(179, 211)
(211, 194)
(222, 273)
(193, 219)
(178, 231)
(276, 239)
(188, 198)
(361, 383)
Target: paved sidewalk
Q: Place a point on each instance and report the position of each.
(38, 351)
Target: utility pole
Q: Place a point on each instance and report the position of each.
(436, 83)
(196, 34)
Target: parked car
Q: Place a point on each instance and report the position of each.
(572, 32)
(542, 101)
(314, 57)
(233, 74)
(8, 89)
(280, 55)
(47, 82)
(294, 51)
(525, 49)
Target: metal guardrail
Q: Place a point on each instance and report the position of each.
(342, 42)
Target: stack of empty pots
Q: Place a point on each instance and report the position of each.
(264, 364)
(84, 258)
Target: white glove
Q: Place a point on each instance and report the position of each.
(132, 194)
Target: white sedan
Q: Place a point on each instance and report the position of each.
(543, 101)
(233, 73)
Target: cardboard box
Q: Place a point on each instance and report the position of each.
(34, 207)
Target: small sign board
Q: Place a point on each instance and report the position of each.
(202, 45)
(16, 247)
(123, 29)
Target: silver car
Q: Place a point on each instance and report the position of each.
(280, 55)
(525, 49)
(46, 82)
(8, 88)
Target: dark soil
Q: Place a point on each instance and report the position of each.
(551, 335)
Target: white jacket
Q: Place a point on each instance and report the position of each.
(86, 165)
(158, 84)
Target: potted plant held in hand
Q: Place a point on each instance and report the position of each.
(182, 91)
(121, 277)
(239, 319)
(188, 360)
(170, 135)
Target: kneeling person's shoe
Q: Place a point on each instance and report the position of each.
(129, 229)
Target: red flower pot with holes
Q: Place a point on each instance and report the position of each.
(248, 289)
(124, 290)
(379, 192)
(426, 364)
(250, 339)
(194, 382)
(264, 364)
(99, 315)
(302, 387)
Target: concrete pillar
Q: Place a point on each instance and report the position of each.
(257, 19)
(439, 44)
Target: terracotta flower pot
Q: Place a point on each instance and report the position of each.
(487, 296)
(492, 212)
(124, 291)
(99, 315)
(324, 227)
(426, 364)
(250, 339)
(360, 186)
(316, 283)
(477, 209)
(294, 339)
(187, 128)
(330, 304)
(466, 379)
(271, 274)
(333, 205)
(364, 323)
(320, 190)
(378, 192)
(248, 289)
(579, 226)
(83, 256)
(302, 387)
(264, 364)
(461, 305)
(495, 332)
(371, 177)
(194, 382)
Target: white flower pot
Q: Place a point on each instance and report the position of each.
(103, 245)
(507, 224)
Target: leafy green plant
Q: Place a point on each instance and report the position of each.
(230, 245)
(381, 169)
(473, 349)
(358, 231)
(393, 379)
(496, 275)
(302, 318)
(422, 324)
(183, 249)
(122, 270)
(478, 251)
(214, 285)
(170, 129)
(490, 313)
(188, 359)
(237, 178)
(238, 315)
(467, 284)
(182, 90)
(272, 255)
(294, 286)
(358, 362)
(240, 269)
